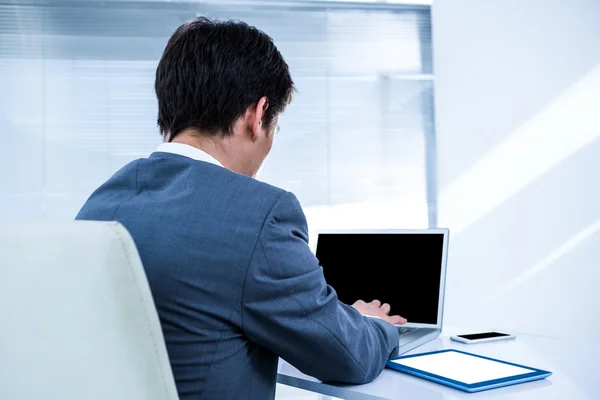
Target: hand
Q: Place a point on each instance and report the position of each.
(376, 309)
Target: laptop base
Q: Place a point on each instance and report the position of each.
(416, 338)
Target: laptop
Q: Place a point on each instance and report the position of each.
(405, 268)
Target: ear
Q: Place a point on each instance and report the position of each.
(255, 117)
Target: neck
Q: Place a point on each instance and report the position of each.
(218, 148)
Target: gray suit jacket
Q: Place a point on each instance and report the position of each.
(235, 283)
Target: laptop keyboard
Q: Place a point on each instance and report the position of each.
(405, 331)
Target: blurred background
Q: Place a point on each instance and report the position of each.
(78, 79)
(505, 151)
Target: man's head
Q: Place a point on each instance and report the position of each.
(221, 86)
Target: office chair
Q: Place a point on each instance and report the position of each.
(77, 319)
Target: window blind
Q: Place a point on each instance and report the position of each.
(78, 103)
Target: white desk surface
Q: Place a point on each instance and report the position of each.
(575, 367)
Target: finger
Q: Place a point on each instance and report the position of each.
(396, 320)
(385, 308)
(376, 303)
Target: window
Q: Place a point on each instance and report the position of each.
(356, 145)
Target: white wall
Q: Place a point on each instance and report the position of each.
(518, 127)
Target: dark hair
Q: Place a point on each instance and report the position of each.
(212, 71)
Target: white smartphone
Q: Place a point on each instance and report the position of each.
(482, 337)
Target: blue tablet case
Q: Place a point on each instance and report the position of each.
(476, 387)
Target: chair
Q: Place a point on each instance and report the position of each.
(77, 319)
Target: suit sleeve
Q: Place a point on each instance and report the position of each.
(288, 307)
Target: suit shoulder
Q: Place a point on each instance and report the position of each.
(240, 189)
(268, 188)
(254, 184)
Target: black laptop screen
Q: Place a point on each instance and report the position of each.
(402, 269)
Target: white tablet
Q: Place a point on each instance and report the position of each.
(465, 371)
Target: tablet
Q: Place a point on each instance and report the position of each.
(465, 371)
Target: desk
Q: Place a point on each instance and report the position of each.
(575, 367)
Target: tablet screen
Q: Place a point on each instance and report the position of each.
(462, 367)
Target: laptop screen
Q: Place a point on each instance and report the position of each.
(402, 269)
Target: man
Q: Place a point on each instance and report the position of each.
(235, 283)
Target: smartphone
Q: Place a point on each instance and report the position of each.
(482, 337)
